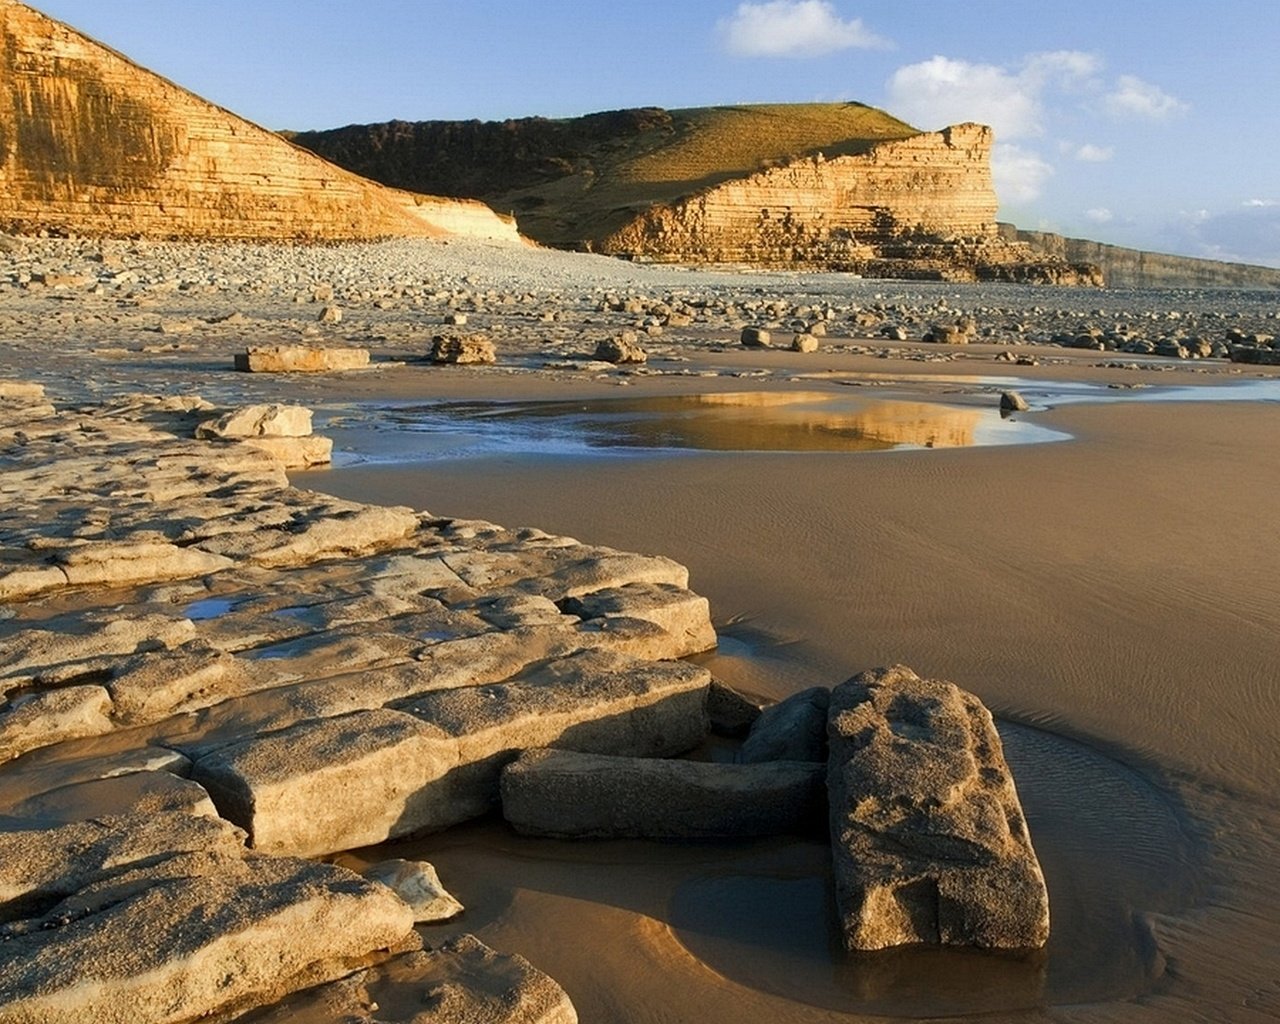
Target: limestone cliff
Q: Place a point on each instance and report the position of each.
(92, 144)
(834, 186)
(1134, 268)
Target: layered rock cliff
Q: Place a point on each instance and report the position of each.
(830, 186)
(1134, 268)
(92, 144)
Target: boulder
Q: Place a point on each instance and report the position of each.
(330, 315)
(300, 359)
(1011, 401)
(460, 349)
(929, 841)
(416, 882)
(794, 729)
(295, 452)
(257, 421)
(590, 796)
(354, 780)
(621, 349)
(755, 337)
(731, 714)
(805, 342)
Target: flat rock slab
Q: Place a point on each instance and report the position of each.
(461, 981)
(354, 780)
(929, 840)
(590, 796)
(166, 920)
(300, 359)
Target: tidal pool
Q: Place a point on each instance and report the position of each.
(808, 421)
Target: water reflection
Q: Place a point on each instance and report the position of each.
(805, 421)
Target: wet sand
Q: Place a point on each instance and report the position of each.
(1115, 599)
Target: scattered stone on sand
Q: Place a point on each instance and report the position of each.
(463, 349)
(794, 729)
(300, 359)
(417, 883)
(330, 315)
(168, 919)
(929, 839)
(1012, 401)
(804, 342)
(622, 348)
(591, 796)
(755, 337)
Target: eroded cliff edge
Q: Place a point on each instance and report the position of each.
(93, 144)
(824, 186)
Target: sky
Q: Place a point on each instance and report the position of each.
(1140, 123)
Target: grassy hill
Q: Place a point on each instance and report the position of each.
(573, 179)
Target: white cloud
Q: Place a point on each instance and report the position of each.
(794, 28)
(1259, 202)
(1019, 174)
(1242, 235)
(1100, 215)
(942, 91)
(1133, 97)
(1092, 154)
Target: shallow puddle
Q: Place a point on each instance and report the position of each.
(808, 421)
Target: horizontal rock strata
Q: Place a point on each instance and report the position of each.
(579, 796)
(166, 919)
(91, 143)
(930, 843)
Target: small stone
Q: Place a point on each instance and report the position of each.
(330, 315)
(417, 883)
(755, 337)
(1011, 401)
(804, 343)
(462, 349)
(623, 348)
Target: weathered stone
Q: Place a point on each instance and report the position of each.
(358, 779)
(804, 343)
(684, 615)
(135, 562)
(929, 839)
(1012, 401)
(755, 337)
(417, 883)
(624, 348)
(42, 719)
(461, 981)
(462, 349)
(794, 729)
(731, 714)
(295, 452)
(135, 793)
(574, 795)
(300, 359)
(258, 421)
(151, 687)
(195, 935)
(330, 315)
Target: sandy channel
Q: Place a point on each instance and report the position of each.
(1115, 599)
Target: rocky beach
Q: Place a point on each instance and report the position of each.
(206, 642)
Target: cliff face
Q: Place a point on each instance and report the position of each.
(92, 144)
(1134, 268)
(831, 186)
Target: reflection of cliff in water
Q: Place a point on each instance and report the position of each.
(805, 421)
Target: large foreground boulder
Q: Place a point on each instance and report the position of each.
(929, 839)
(119, 925)
(579, 796)
(338, 783)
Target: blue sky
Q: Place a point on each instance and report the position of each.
(1151, 124)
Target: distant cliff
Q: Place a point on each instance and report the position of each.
(838, 186)
(1133, 268)
(92, 144)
